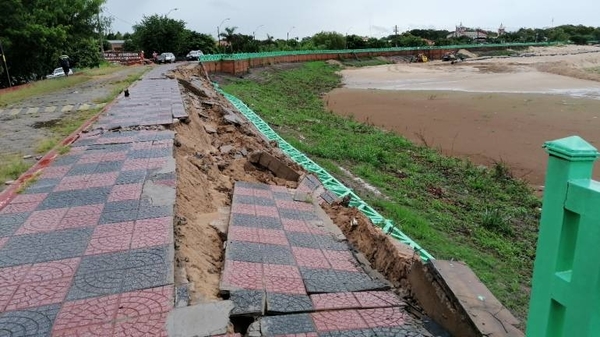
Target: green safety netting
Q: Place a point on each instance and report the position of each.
(247, 56)
(327, 179)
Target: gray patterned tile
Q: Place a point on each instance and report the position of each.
(30, 322)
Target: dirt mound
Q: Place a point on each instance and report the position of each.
(334, 63)
(212, 154)
(467, 53)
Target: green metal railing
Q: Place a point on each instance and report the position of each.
(565, 294)
(248, 56)
(327, 179)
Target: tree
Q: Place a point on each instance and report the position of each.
(329, 40)
(198, 41)
(160, 33)
(228, 35)
(356, 42)
(35, 33)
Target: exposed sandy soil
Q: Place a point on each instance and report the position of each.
(488, 110)
(205, 179)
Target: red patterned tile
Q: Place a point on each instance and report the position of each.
(334, 301)
(42, 221)
(87, 312)
(149, 239)
(308, 257)
(143, 326)
(36, 294)
(295, 226)
(121, 228)
(52, 270)
(154, 224)
(344, 265)
(167, 182)
(24, 198)
(239, 233)
(100, 183)
(156, 163)
(377, 299)
(244, 275)
(99, 330)
(114, 156)
(383, 317)
(82, 178)
(70, 186)
(79, 222)
(55, 172)
(243, 208)
(84, 211)
(20, 208)
(108, 244)
(309, 334)
(338, 320)
(300, 206)
(269, 211)
(278, 270)
(284, 285)
(125, 192)
(135, 164)
(244, 191)
(263, 193)
(276, 188)
(145, 302)
(6, 293)
(272, 236)
(3, 241)
(13, 275)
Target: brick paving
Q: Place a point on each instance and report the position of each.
(284, 267)
(84, 250)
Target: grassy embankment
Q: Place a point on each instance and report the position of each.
(12, 165)
(453, 208)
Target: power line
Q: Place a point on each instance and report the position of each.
(118, 18)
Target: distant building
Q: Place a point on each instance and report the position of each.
(501, 30)
(474, 34)
(116, 45)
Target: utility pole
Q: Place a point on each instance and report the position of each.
(5, 66)
(396, 30)
(100, 35)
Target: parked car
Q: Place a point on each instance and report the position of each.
(59, 72)
(194, 55)
(166, 58)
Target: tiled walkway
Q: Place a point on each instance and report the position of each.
(282, 265)
(87, 248)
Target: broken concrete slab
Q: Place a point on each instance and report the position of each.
(210, 129)
(453, 296)
(158, 195)
(199, 320)
(278, 167)
(226, 149)
(232, 119)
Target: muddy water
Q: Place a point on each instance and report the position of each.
(484, 127)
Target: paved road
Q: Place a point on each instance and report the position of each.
(19, 123)
(87, 248)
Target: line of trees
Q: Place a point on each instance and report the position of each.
(35, 33)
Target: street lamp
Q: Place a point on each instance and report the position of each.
(219, 32)
(288, 33)
(347, 37)
(254, 32)
(169, 12)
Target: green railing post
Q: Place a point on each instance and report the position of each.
(566, 270)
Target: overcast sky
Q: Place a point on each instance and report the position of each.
(362, 17)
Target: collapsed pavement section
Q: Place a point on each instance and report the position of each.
(86, 248)
(293, 274)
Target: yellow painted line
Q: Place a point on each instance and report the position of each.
(32, 110)
(83, 107)
(50, 109)
(15, 111)
(66, 108)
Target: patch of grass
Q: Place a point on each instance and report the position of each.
(64, 149)
(41, 88)
(104, 69)
(453, 208)
(72, 122)
(593, 70)
(45, 145)
(12, 167)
